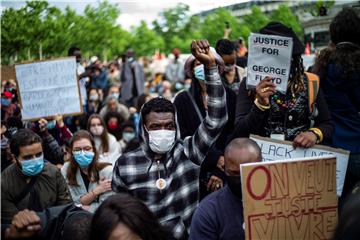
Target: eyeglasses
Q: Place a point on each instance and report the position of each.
(84, 149)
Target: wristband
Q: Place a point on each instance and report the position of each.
(318, 134)
(260, 106)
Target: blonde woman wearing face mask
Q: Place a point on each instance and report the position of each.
(105, 143)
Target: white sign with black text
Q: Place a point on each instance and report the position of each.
(48, 88)
(269, 56)
(272, 150)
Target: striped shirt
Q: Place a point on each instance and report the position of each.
(136, 172)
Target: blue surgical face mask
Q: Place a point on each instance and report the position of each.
(178, 86)
(199, 72)
(115, 95)
(32, 167)
(84, 158)
(51, 124)
(128, 136)
(5, 102)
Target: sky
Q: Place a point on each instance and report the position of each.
(133, 11)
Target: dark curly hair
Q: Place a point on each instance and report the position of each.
(225, 47)
(158, 104)
(131, 212)
(345, 48)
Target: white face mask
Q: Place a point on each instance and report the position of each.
(97, 130)
(161, 141)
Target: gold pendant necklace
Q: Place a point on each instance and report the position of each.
(160, 182)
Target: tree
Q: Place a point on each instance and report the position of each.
(145, 41)
(174, 25)
(284, 15)
(213, 26)
(256, 20)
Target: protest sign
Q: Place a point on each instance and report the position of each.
(272, 149)
(291, 199)
(269, 56)
(48, 88)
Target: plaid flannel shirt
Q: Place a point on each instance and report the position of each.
(136, 172)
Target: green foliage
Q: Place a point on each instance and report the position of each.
(284, 14)
(213, 26)
(145, 41)
(174, 27)
(256, 19)
(39, 28)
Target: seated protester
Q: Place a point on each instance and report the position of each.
(113, 73)
(78, 122)
(220, 215)
(105, 143)
(128, 141)
(99, 76)
(348, 224)
(89, 181)
(6, 158)
(191, 108)
(113, 121)
(164, 172)
(339, 69)
(124, 217)
(58, 129)
(267, 112)
(52, 150)
(114, 91)
(31, 182)
(66, 150)
(8, 108)
(113, 105)
(241, 53)
(232, 75)
(94, 102)
(66, 222)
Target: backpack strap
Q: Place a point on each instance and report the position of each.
(312, 89)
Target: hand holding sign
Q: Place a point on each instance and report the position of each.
(201, 51)
(270, 56)
(305, 140)
(264, 90)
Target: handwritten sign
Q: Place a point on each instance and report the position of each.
(269, 56)
(293, 199)
(279, 150)
(48, 88)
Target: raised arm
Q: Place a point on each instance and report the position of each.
(197, 146)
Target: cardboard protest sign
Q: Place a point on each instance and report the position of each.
(269, 56)
(48, 88)
(272, 149)
(292, 199)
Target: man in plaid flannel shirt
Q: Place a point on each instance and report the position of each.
(164, 171)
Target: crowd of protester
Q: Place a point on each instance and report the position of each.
(155, 153)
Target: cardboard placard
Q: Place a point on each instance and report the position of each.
(48, 88)
(293, 199)
(269, 55)
(272, 150)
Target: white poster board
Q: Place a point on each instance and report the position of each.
(48, 88)
(272, 149)
(269, 56)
